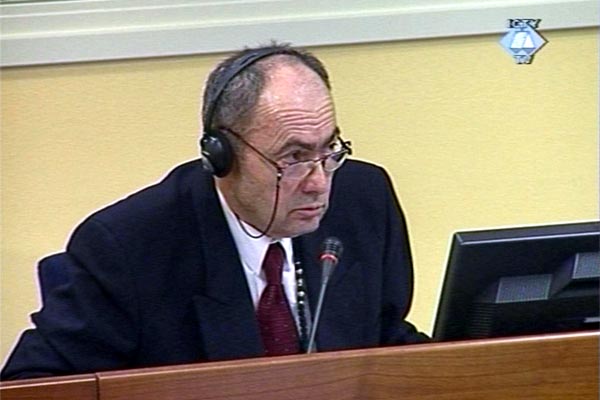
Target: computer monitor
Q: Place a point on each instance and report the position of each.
(520, 281)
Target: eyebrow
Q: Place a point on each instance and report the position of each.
(304, 145)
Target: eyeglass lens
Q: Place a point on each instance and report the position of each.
(330, 163)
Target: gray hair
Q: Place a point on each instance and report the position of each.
(234, 104)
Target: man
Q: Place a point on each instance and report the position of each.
(182, 271)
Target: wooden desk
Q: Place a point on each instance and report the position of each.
(75, 387)
(548, 367)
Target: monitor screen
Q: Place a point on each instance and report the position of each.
(519, 281)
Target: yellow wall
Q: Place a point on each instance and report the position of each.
(471, 139)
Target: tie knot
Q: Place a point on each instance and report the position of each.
(273, 264)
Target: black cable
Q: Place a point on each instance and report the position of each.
(270, 224)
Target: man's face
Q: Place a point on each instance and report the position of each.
(294, 120)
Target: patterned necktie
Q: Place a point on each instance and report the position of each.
(277, 326)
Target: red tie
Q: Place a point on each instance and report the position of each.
(277, 326)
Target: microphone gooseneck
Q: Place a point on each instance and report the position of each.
(330, 255)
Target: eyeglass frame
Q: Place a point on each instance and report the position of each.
(346, 148)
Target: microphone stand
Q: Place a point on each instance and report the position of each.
(332, 250)
(313, 328)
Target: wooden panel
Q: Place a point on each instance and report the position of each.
(537, 367)
(316, 376)
(76, 387)
(549, 367)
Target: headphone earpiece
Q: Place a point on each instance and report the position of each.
(217, 154)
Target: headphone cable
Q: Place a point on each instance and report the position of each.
(271, 220)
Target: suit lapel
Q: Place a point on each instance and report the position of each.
(226, 316)
(306, 250)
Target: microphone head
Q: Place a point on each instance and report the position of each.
(332, 249)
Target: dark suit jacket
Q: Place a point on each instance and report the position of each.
(157, 280)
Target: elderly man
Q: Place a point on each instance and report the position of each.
(220, 259)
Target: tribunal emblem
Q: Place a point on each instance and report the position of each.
(522, 40)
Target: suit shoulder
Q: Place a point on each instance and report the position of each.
(361, 187)
(157, 203)
(358, 174)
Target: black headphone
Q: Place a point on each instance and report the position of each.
(217, 153)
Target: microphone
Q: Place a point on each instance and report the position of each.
(330, 255)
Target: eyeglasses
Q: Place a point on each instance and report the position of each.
(297, 170)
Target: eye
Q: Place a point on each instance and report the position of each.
(299, 155)
(294, 156)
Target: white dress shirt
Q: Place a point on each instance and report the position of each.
(252, 252)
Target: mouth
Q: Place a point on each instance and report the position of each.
(310, 211)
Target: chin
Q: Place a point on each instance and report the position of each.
(296, 229)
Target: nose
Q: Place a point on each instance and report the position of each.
(317, 181)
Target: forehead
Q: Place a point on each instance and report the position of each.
(291, 80)
(295, 105)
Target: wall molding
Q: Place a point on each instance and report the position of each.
(50, 32)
